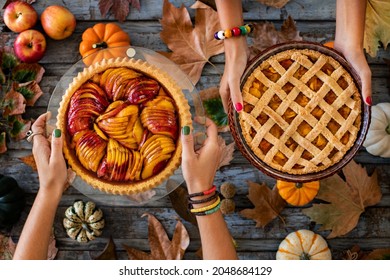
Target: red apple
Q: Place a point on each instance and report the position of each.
(20, 16)
(58, 22)
(30, 46)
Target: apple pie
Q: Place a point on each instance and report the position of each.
(302, 111)
(122, 120)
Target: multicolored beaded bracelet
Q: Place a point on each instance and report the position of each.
(209, 191)
(208, 212)
(207, 199)
(206, 208)
(234, 32)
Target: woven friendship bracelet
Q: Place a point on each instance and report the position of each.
(234, 32)
(206, 208)
(209, 191)
(208, 212)
(207, 199)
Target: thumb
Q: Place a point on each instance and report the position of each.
(56, 146)
(187, 140)
(235, 94)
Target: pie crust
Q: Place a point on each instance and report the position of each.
(183, 119)
(302, 111)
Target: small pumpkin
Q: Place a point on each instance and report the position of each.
(102, 41)
(83, 221)
(298, 194)
(303, 245)
(377, 140)
(12, 201)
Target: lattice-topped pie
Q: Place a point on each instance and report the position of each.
(121, 119)
(302, 111)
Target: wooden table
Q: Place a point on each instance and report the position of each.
(316, 22)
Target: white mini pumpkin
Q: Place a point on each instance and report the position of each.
(377, 140)
(303, 245)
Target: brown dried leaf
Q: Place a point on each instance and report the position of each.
(32, 91)
(191, 46)
(268, 204)
(179, 200)
(160, 246)
(348, 199)
(20, 127)
(108, 252)
(355, 253)
(227, 152)
(378, 254)
(29, 160)
(52, 250)
(3, 142)
(274, 3)
(120, 8)
(7, 247)
(14, 103)
(265, 35)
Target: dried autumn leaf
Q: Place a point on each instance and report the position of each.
(227, 152)
(274, 3)
(30, 161)
(108, 252)
(265, 35)
(348, 200)
(160, 246)
(377, 27)
(191, 46)
(268, 204)
(7, 247)
(355, 253)
(179, 200)
(120, 8)
(378, 254)
(26, 72)
(31, 91)
(14, 103)
(20, 127)
(3, 143)
(212, 104)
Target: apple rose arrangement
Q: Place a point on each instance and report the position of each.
(122, 124)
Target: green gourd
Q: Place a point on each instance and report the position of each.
(12, 201)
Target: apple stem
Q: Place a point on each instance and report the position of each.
(101, 45)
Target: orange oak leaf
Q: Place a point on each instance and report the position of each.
(160, 246)
(347, 199)
(108, 252)
(30, 161)
(191, 46)
(266, 35)
(268, 204)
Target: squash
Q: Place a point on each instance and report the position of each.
(103, 41)
(303, 245)
(83, 221)
(298, 194)
(12, 201)
(377, 140)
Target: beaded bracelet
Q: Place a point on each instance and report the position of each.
(209, 191)
(208, 212)
(207, 199)
(206, 208)
(234, 32)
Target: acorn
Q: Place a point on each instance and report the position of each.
(228, 190)
(227, 206)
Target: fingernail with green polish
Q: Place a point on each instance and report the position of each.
(186, 130)
(57, 133)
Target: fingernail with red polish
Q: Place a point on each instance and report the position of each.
(369, 100)
(238, 107)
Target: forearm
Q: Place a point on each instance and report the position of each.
(217, 243)
(34, 240)
(229, 13)
(350, 22)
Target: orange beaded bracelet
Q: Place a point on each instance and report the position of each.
(234, 32)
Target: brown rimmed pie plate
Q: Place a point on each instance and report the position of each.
(297, 173)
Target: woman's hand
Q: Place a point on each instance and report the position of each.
(236, 57)
(49, 158)
(199, 167)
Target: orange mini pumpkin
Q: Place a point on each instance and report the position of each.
(105, 38)
(298, 194)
